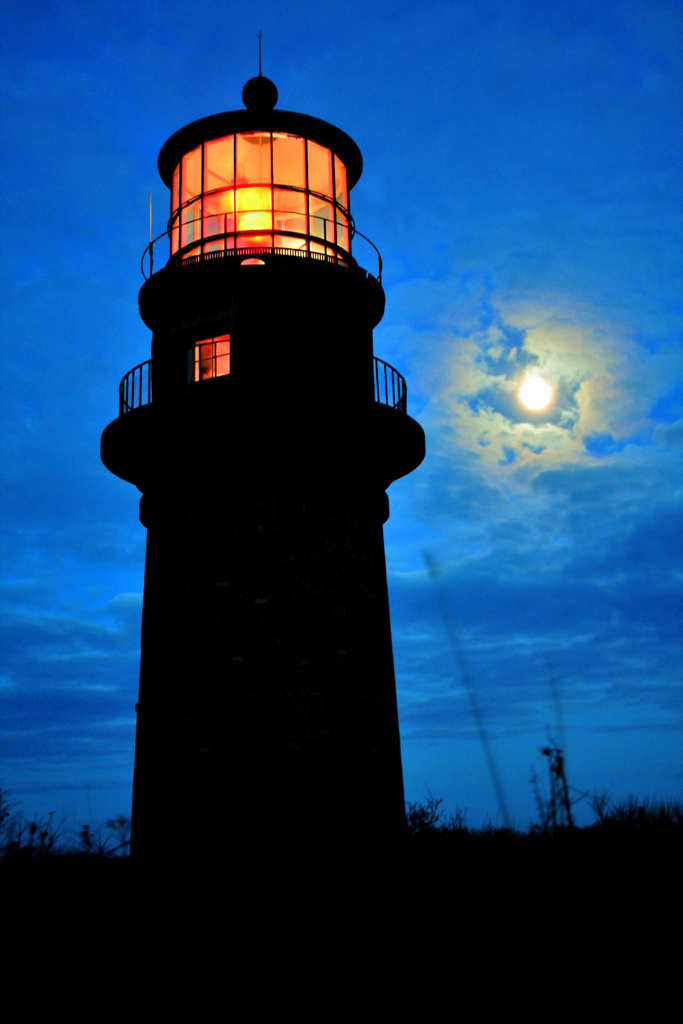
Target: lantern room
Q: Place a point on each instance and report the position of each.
(259, 189)
(260, 179)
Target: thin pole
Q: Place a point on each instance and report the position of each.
(259, 36)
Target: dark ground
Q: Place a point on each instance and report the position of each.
(531, 926)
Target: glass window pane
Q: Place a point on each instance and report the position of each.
(253, 158)
(255, 241)
(290, 210)
(192, 174)
(287, 200)
(290, 242)
(222, 364)
(321, 223)
(340, 189)
(203, 362)
(289, 162)
(190, 226)
(342, 231)
(219, 213)
(319, 169)
(219, 163)
(254, 209)
(175, 234)
(175, 194)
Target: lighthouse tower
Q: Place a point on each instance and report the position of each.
(263, 433)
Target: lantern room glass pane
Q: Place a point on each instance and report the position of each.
(219, 163)
(290, 210)
(290, 242)
(253, 158)
(289, 160)
(319, 169)
(192, 175)
(191, 224)
(175, 234)
(254, 209)
(219, 213)
(341, 192)
(342, 230)
(255, 241)
(322, 223)
(175, 191)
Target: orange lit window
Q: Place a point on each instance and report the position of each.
(289, 160)
(341, 193)
(238, 190)
(322, 224)
(212, 357)
(319, 169)
(253, 158)
(191, 178)
(175, 194)
(290, 210)
(190, 224)
(219, 163)
(342, 230)
(219, 213)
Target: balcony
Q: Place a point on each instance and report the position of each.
(215, 238)
(389, 386)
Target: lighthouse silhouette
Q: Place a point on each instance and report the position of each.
(263, 434)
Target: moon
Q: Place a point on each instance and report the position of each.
(535, 393)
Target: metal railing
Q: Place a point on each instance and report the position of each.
(324, 234)
(136, 388)
(390, 388)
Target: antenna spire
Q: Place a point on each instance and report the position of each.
(259, 36)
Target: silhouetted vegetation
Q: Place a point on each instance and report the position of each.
(26, 838)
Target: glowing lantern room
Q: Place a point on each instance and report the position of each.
(260, 179)
(260, 190)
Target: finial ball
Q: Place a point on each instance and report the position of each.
(259, 94)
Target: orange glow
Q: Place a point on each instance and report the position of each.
(289, 161)
(211, 206)
(192, 175)
(212, 357)
(260, 220)
(254, 206)
(219, 163)
(340, 189)
(219, 213)
(253, 158)
(319, 169)
(254, 199)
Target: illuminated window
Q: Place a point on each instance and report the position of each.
(191, 175)
(319, 169)
(289, 160)
(212, 357)
(219, 163)
(253, 190)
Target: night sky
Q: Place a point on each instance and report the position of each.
(522, 180)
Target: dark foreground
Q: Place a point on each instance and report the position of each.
(510, 927)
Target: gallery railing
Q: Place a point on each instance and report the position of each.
(390, 388)
(215, 240)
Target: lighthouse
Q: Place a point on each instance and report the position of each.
(263, 434)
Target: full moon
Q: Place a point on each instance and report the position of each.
(535, 394)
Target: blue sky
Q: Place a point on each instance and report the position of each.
(523, 182)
